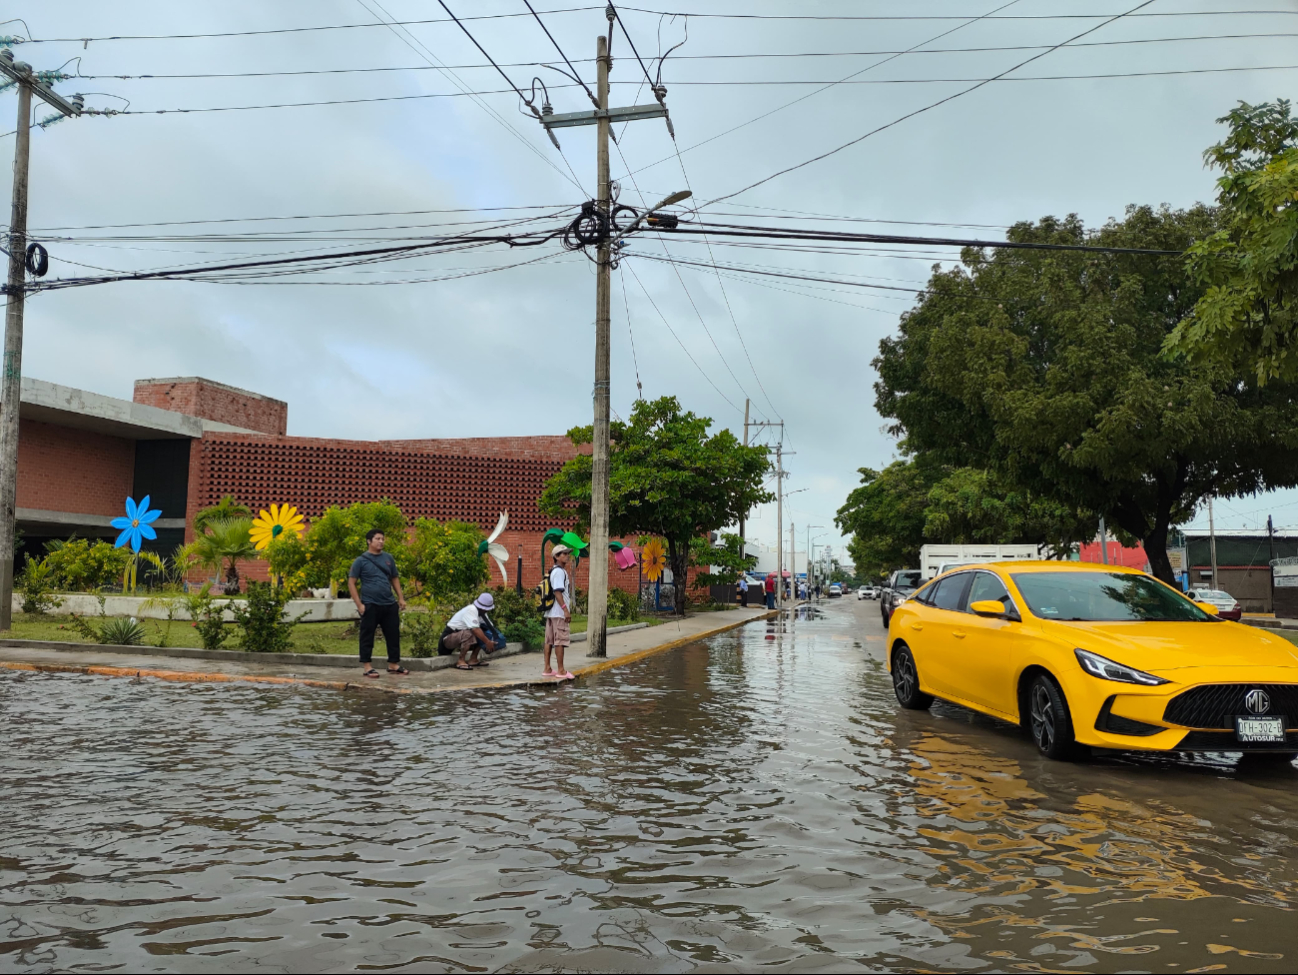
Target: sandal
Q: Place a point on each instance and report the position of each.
(482, 663)
(400, 671)
(462, 666)
(370, 673)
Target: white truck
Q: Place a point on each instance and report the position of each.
(935, 559)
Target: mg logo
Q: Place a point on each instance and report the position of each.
(1257, 701)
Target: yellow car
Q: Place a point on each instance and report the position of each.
(1095, 655)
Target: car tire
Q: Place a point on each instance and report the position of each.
(1049, 722)
(905, 681)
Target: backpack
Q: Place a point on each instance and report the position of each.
(546, 593)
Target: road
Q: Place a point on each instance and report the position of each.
(755, 801)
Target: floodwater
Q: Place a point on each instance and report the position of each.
(756, 802)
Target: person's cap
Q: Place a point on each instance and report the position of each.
(485, 602)
(561, 550)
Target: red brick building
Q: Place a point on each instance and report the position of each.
(185, 442)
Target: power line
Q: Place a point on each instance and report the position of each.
(576, 76)
(908, 17)
(930, 107)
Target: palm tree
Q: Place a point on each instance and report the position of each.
(225, 542)
(224, 510)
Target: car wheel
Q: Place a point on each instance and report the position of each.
(905, 681)
(1049, 721)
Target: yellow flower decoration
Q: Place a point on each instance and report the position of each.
(273, 523)
(654, 559)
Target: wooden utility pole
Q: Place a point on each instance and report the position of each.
(15, 290)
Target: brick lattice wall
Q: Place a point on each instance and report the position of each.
(215, 401)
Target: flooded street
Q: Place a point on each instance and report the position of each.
(758, 801)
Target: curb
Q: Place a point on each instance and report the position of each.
(193, 677)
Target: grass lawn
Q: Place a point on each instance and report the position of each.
(336, 637)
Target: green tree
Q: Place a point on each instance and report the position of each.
(885, 517)
(224, 544)
(337, 538)
(444, 559)
(1248, 269)
(667, 477)
(227, 509)
(726, 560)
(1044, 368)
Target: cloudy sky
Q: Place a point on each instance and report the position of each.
(426, 348)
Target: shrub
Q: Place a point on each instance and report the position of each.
(444, 559)
(262, 619)
(122, 631)
(421, 632)
(82, 567)
(36, 583)
(208, 616)
(529, 631)
(623, 606)
(337, 537)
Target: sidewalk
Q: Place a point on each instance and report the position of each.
(518, 670)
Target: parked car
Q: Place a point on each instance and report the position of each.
(901, 585)
(835, 589)
(1228, 607)
(864, 593)
(1094, 655)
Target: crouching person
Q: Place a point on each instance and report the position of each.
(471, 629)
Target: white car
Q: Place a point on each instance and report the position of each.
(1228, 607)
(835, 589)
(867, 592)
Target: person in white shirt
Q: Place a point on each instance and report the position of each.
(743, 591)
(472, 628)
(558, 618)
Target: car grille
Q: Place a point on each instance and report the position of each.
(1215, 705)
(1225, 741)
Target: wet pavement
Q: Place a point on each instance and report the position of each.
(755, 801)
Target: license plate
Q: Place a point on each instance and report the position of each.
(1268, 729)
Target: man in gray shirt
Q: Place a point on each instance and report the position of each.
(376, 571)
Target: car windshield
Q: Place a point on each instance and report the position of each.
(1214, 594)
(1104, 596)
(911, 579)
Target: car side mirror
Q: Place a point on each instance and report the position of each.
(990, 607)
(1208, 608)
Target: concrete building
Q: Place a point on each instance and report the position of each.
(187, 441)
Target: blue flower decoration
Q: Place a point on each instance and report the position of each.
(137, 525)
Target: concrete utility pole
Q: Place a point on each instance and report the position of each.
(743, 519)
(779, 525)
(597, 599)
(1104, 542)
(1212, 543)
(11, 381)
(602, 118)
(1270, 575)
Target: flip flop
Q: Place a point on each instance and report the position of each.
(370, 673)
(566, 676)
(482, 663)
(460, 666)
(400, 671)
(547, 673)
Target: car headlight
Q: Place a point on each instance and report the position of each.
(1106, 669)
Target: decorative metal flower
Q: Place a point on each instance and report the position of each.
(654, 559)
(271, 524)
(495, 549)
(574, 542)
(623, 555)
(137, 525)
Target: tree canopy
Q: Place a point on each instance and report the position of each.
(1246, 316)
(667, 477)
(1045, 369)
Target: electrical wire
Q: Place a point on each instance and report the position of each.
(679, 342)
(909, 17)
(589, 93)
(639, 389)
(929, 107)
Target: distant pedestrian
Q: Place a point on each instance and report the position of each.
(472, 628)
(558, 618)
(743, 591)
(769, 587)
(376, 571)
(818, 591)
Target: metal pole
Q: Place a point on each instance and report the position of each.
(597, 605)
(1104, 542)
(1270, 538)
(1212, 544)
(11, 382)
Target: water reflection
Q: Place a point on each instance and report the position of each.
(753, 803)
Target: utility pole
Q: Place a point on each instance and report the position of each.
(1212, 543)
(743, 519)
(603, 118)
(793, 565)
(1270, 538)
(1104, 542)
(779, 525)
(11, 382)
(597, 599)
